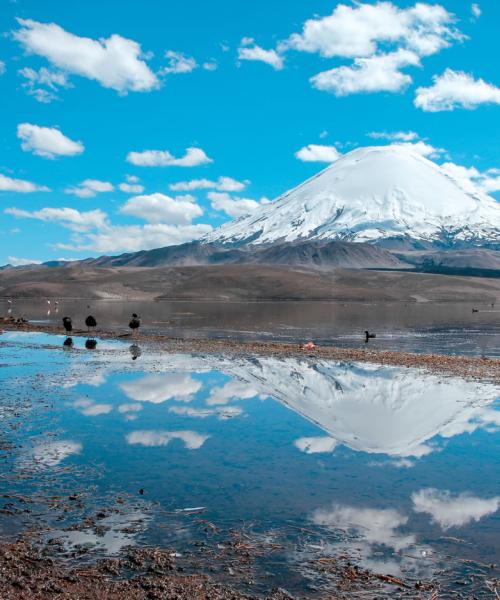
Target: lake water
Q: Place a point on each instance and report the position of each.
(415, 327)
(393, 469)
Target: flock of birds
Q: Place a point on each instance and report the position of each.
(91, 342)
(91, 323)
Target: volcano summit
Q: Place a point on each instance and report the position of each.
(374, 194)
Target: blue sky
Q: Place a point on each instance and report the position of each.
(88, 88)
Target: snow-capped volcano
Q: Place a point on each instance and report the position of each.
(372, 194)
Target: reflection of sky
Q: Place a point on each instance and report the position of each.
(191, 439)
(389, 410)
(51, 454)
(121, 530)
(370, 533)
(283, 440)
(448, 510)
(158, 388)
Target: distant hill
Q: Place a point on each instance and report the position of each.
(322, 254)
(243, 282)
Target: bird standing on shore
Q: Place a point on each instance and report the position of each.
(308, 346)
(135, 323)
(67, 324)
(369, 336)
(90, 322)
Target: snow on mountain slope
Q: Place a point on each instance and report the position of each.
(371, 194)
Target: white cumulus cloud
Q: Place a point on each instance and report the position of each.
(131, 185)
(132, 238)
(68, 217)
(8, 184)
(178, 63)
(223, 184)
(115, 62)
(126, 408)
(394, 136)
(381, 38)
(472, 180)
(47, 142)
(456, 89)
(318, 153)
(44, 84)
(162, 158)
(15, 261)
(379, 73)
(422, 148)
(88, 188)
(233, 206)
(248, 50)
(159, 208)
(131, 188)
(359, 30)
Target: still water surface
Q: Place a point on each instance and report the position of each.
(393, 467)
(415, 327)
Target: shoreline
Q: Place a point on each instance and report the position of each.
(145, 574)
(151, 573)
(478, 368)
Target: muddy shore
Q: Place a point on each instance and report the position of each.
(481, 368)
(28, 574)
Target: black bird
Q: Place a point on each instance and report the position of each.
(90, 344)
(369, 336)
(68, 324)
(90, 322)
(68, 343)
(135, 323)
(475, 310)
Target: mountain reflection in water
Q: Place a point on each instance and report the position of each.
(369, 408)
(389, 465)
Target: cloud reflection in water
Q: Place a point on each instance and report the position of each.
(150, 438)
